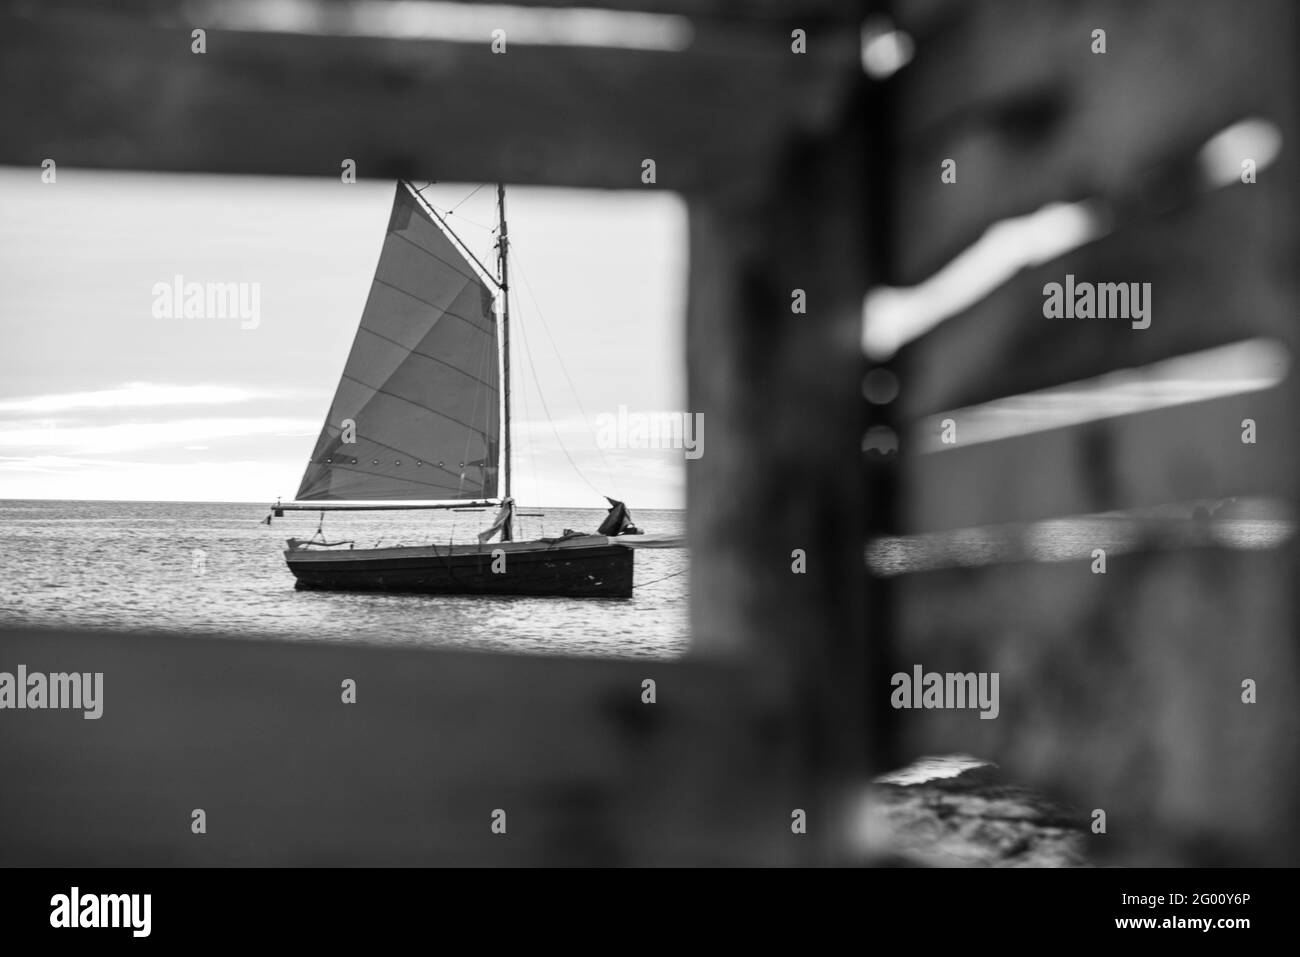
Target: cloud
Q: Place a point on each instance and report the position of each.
(136, 436)
(137, 395)
(62, 477)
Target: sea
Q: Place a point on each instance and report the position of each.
(215, 568)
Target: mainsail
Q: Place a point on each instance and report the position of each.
(417, 414)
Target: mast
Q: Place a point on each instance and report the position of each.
(503, 251)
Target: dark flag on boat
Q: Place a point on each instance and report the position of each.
(618, 521)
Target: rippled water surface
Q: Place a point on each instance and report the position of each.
(199, 567)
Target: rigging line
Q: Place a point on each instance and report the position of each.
(528, 354)
(466, 199)
(532, 453)
(664, 579)
(476, 225)
(532, 465)
(609, 473)
(463, 219)
(452, 237)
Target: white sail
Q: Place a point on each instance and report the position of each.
(419, 395)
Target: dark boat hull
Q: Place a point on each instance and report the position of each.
(563, 570)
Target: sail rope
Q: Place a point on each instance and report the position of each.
(445, 213)
(532, 460)
(474, 223)
(528, 354)
(664, 579)
(609, 473)
(525, 347)
(466, 199)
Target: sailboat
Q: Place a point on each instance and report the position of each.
(421, 420)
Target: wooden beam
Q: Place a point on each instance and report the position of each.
(1174, 454)
(1014, 94)
(776, 518)
(736, 10)
(1123, 692)
(128, 94)
(255, 734)
(1220, 270)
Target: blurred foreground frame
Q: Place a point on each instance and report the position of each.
(1119, 692)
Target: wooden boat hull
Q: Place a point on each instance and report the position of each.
(585, 567)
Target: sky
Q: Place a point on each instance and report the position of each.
(101, 399)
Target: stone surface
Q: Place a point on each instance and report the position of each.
(973, 820)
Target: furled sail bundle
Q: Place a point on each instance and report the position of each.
(417, 414)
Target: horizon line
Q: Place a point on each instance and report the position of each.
(189, 501)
